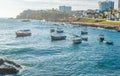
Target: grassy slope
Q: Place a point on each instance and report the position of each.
(98, 21)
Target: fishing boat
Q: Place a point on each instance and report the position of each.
(77, 40)
(84, 32)
(57, 30)
(57, 36)
(22, 33)
(101, 37)
(85, 38)
(60, 30)
(108, 42)
(56, 24)
(26, 20)
(52, 29)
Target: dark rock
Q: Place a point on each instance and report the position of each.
(8, 70)
(8, 67)
(1, 61)
(13, 63)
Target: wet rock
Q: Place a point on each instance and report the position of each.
(8, 70)
(1, 61)
(118, 29)
(8, 67)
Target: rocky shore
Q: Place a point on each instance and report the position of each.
(112, 27)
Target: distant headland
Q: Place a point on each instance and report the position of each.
(60, 16)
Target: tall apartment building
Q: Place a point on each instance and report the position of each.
(66, 9)
(106, 5)
(119, 5)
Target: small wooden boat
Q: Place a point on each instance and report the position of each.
(52, 29)
(77, 40)
(85, 38)
(59, 30)
(26, 20)
(58, 34)
(101, 37)
(53, 37)
(56, 24)
(22, 33)
(108, 42)
(84, 32)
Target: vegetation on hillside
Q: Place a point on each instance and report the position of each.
(50, 15)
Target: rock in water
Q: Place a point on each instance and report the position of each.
(8, 67)
(8, 70)
(1, 61)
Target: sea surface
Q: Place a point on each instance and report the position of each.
(39, 56)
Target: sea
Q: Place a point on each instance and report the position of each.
(39, 56)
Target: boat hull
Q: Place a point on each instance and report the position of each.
(108, 42)
(85, 38)
(58, 37)
(52, 30)
(101, 39)
(84, 33)
(22, 34)
(77, 41)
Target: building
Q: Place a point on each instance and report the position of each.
(118, 4)
(119, 8)
(78, 13)
(106, 5)
(66, 9)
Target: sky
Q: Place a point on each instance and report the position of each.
(11, 8)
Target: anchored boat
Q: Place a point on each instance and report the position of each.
(22, 33)
(108, 42)
(84, 32)
(60, 30)
(77, 39)
(58, 37)
(52, 29)
(58, 34)
(26, 20)
(85, 38)
(101, 37)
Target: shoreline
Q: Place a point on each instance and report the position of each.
(106, 26)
